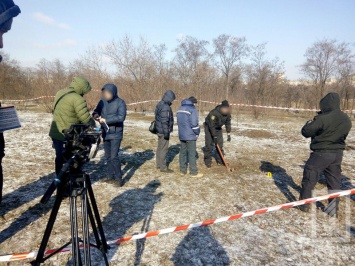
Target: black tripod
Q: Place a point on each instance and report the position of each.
(76, 184)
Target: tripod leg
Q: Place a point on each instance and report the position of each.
(49, 228)
(86, 240)
(97, 218)
(74, 231)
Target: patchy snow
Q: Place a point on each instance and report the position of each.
(151, 200)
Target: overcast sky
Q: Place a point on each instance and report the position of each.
(66, 28)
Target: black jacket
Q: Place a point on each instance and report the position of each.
(164, 117)
(114, 111)
(330, 127)
(216, 120)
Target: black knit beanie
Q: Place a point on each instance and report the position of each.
(225, 103)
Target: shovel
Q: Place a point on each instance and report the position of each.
(223, 159)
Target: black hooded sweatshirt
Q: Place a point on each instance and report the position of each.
(330, 127)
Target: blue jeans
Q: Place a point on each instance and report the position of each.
(188, 157)
(112, 148)
(58, 145)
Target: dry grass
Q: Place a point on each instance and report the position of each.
(150, 200)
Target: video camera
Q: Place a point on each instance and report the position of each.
(83, 139)
(81, 144)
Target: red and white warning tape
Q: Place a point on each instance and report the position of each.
(29, 255)
(233, 104)
(272, 107)
(28, 100)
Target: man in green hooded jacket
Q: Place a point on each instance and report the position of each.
(69, 108)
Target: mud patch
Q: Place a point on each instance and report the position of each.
(258, 134)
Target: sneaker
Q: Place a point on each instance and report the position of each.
(183, 173)
(167, 170)
(197, 175)
(208, 165)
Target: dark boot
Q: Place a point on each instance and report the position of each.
(304, 208)
(167, 170)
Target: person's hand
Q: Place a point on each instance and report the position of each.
(96, 116)
(229, 138)
(166, 137)
(215, 140)
(197, 136)
(102, 120)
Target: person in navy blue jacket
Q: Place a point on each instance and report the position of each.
(111, 113)
(8, 10)
(189, 130)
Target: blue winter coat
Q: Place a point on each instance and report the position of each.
(164, 117)
(114, 111)
(187, 119)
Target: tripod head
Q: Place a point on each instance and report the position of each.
(81, 144)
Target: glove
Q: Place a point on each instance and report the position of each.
(96, 116)
(215, 140)
(166, 137)
(229, 138)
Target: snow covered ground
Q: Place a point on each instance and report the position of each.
(151, 200)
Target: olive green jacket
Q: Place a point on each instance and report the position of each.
(71, 109)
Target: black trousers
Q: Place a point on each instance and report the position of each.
(319, 162)
(2, 154)
(112, 148)
(209, 146)
(59, 158)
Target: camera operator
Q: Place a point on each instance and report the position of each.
(69, 108)
(111, 113)
(8, 10)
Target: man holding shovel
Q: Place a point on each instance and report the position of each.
(216, 119)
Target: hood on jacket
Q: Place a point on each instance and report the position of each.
(8, 10)
(111, 88)
(169, 97)
(187, 102)
(330, 102)
(80, 85)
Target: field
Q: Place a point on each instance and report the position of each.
(150, 200)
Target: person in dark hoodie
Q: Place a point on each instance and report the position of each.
(189, 130)
(328, 132)
(164, 121)
(8, 10)
(111, 113)
(216, 119)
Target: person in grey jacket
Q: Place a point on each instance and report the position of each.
(189, 130)
(164, 121)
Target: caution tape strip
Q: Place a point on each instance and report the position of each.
(272, 107)
(209, 102)
(29, 255)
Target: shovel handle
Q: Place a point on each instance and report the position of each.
(222, 156)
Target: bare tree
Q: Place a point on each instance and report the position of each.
(264, 77)
(228, 51)
(323, 60)
(190, 61)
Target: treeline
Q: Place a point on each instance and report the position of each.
(225, 68)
